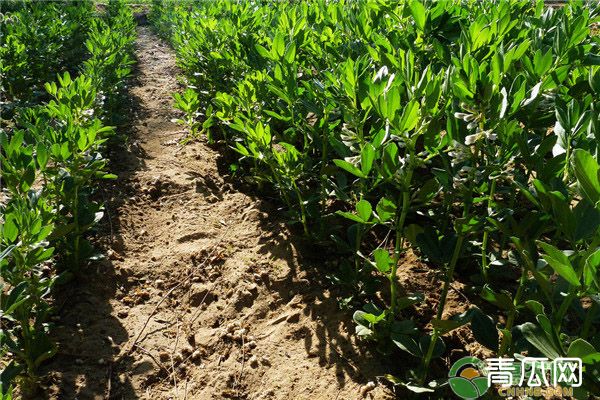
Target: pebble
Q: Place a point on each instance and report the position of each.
(252, 288)
(196, 355)
(367, 388)
(122, 313)
(78, 361)
(187, 350)
(253, 362)
(238, 335)
(163, 356)
(265, 360)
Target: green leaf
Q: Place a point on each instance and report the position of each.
(410, 116)
(537, 337)
(502, 300)
(383, 261)
(386, 209)
(367, 156)
(407, 301)
(590, 269)
(535, 306)
(10, 230)
(419, 14)
(586, 171)
(279, 44)
(364, 210)
(580, 348)
(407, 343)
(41, 155)
(559, 262)
(484, 330)
(290, 54)
(345, 165)
(350, 216)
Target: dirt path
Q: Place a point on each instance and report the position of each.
(203, 295)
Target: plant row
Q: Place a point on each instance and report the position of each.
(467, 131)
(52, 161)
(39, 40)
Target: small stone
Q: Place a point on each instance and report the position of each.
(78, 361)
(101, 361)
(251, 344)
(238, 335)
(196, 355)
(264, 360)
(187, 350)
(253, 361)
(163, 356)
(252, 288)
(159, 283)
(122, 314)
(367, 388)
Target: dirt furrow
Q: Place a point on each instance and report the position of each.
(204, 294)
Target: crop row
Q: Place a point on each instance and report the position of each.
(465, 131)
(51, 157)
(39, 40)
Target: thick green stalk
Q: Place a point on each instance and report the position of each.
(587, 322)
(484, 243)
(567, 158)
(399, 243)
(77, 232)
(513, 313)
(324, 158)
(302, 208)
(449, 274)
(564, 307)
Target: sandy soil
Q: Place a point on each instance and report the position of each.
(204, 294)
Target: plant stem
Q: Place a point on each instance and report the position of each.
(567, 157)
(302, 208)
(399, 243)
(513, 313)
(77, 232)
(587, 323)
(435, 334)
(484, 243)
(449, 274)
(564, 307)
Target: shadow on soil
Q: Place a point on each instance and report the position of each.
(309, 266)
(89, 337)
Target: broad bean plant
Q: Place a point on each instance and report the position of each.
(51, 156)
(466, 131)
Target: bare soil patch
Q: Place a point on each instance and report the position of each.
(205, 293)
